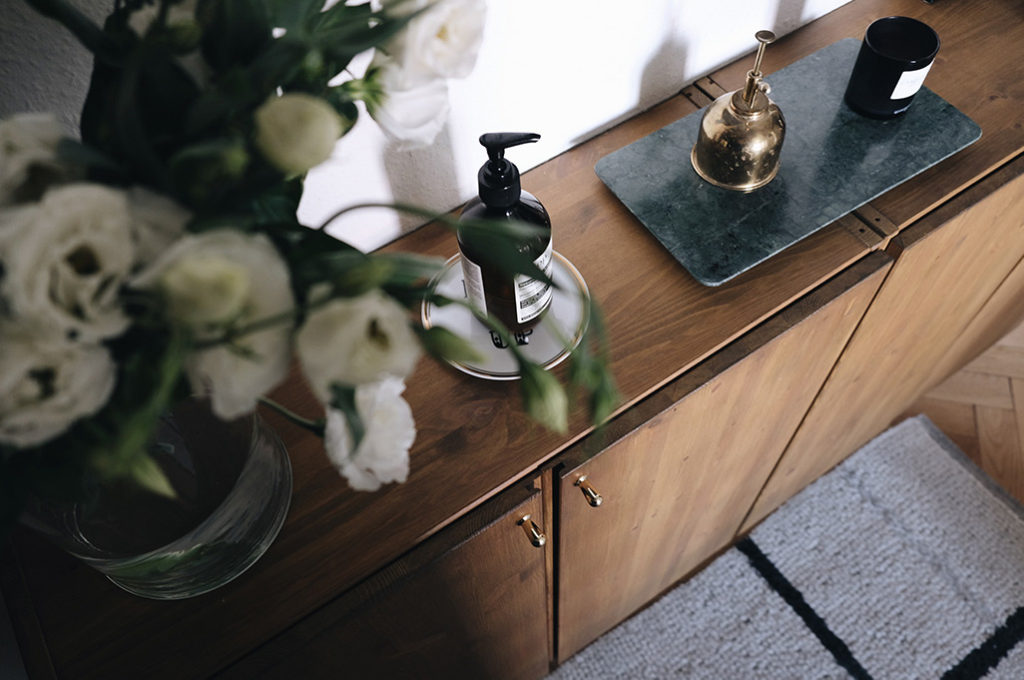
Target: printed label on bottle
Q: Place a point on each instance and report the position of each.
(910, 82)
(533, 296)
(473, 279)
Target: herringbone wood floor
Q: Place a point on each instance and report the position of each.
(981, 408)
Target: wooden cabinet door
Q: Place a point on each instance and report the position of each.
(684, 466)
(952, 262)
(470, 602)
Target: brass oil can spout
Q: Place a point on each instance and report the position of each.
(741, 133)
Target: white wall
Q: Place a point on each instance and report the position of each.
(566, 69)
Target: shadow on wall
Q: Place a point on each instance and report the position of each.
(668, 63)
(788, 16)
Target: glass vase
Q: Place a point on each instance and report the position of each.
(233, 485)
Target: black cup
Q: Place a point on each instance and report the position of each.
(893, 60)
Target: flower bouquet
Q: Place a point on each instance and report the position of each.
(159, 255)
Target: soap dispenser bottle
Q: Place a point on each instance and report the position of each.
(518, 301)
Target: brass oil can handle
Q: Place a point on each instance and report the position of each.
(533, 532)
(592, 496)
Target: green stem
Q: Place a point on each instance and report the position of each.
(399, 207)
(262, 324)
(314, 426)
(487, 320)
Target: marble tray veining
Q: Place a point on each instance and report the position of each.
(832, 162)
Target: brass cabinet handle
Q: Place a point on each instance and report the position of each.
(533, 532)
(592, 496)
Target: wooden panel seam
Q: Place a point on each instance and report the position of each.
(710, 88)
(741, 529)
(878, 220)
(981, 311)
(693, 377)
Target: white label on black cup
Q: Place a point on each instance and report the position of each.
(910, 82)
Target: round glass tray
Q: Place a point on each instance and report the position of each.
(548, 343)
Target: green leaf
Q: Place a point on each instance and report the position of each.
(544, 397)
(117, 436)
(148, 475)
(340, 99)
(78, 153)
(343, 398)
(278, 205)
(134, 143)
(341, 15)
(342, 39)
(497, 245)
(442, 343)
(205, 172)
(294, 14)
(235, 32)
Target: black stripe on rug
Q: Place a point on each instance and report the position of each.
(795, 599)
(989, 653)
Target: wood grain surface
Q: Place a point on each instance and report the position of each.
(474, 439)
(470, 602)
(676, 488)
(1001, 313)
(950, 265)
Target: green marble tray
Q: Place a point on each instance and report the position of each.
(832, 162)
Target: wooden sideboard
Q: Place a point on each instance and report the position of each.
(735, 398)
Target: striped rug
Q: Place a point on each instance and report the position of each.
(904, 562)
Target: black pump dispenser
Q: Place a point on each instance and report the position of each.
(518, 301)
(498, 178)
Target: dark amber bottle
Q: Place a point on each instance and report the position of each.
(517, 301)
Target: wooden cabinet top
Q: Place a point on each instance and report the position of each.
(473, 438)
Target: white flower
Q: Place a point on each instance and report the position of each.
(28, 155)
(66, 259)
(441, 42)
(45, 385)
(410, 113)
(220, 277)
(356, 341)
(297, 131)
(156, 223)
(383, 453)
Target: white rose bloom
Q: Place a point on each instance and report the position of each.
(28, 146)
(354, 341)
(297, 131)
(156, 223)
(66, 259)
(221, 277)
(383, 454)
(442, 41)
(46, 385)
(411, 114)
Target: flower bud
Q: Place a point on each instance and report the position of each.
(297, 131)
(205, 289)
